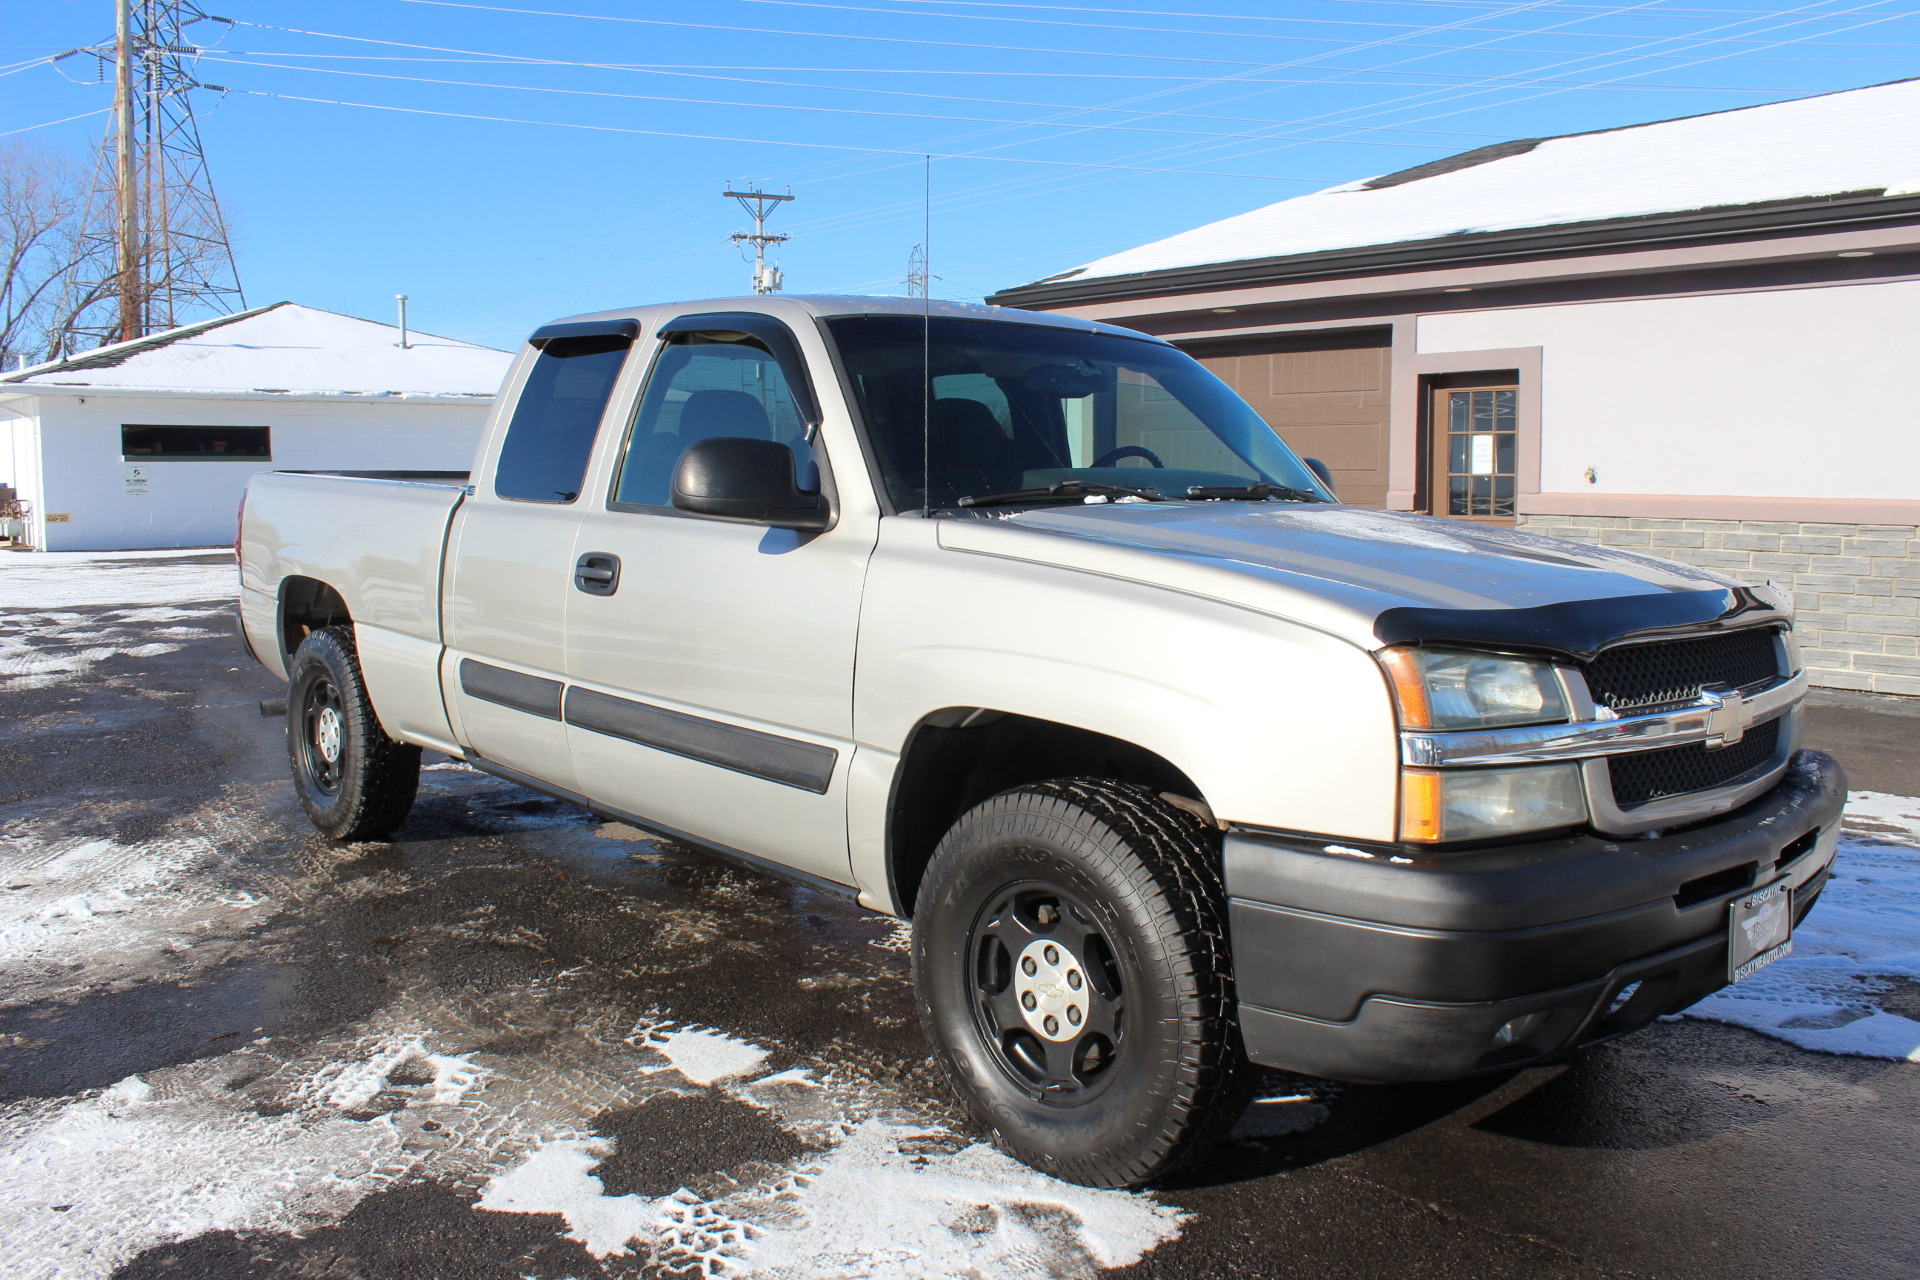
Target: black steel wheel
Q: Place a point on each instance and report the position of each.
(354, 781)
(1069, 949)
(1048, 995)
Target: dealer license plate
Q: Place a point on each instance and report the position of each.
(1760, 932)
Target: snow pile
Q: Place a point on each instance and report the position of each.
(1861, 941)
(1860, 140)
(81, 579)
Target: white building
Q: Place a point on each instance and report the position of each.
(1698, 338)
(150, 443)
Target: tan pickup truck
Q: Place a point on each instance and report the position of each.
(1029, 630)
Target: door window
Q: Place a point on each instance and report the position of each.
(544, 457)
(707, 385)
(1475, 463)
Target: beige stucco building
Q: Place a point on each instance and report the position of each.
(1698, 338)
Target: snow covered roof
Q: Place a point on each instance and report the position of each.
(1854, 142)
(282, 349)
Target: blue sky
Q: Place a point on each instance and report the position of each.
(1060, 133)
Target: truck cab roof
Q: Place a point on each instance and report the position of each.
(825, 305)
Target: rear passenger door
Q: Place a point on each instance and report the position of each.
(510, 568)
(712, 686)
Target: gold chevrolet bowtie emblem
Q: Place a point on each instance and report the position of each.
(1728, 716)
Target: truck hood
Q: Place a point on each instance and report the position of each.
(1358, 572)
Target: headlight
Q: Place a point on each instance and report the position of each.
(1447, 689)
(1465, 804)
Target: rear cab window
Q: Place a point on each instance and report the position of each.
(550, 437)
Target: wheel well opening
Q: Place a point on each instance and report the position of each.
(306, 605)
(958, 757)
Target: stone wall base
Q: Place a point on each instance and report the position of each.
(1857, 586)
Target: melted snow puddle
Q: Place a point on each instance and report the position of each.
(1862, 939)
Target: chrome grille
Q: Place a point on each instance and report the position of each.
(1642, 777)
(1639, 678)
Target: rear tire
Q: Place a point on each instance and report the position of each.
(354, 781)
(1070, 952)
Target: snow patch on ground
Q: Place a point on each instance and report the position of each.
(43, 649)
(1861, 940)
(702, 1054)
(888, 1199)
(356, 1084)
(66, 580)
(135, 1170)
(558, 1179)
(93, 899)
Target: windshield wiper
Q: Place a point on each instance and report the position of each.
(1258, 492)
(1065, 491)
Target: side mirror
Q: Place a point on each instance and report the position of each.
(753, 481)
(1325, 473)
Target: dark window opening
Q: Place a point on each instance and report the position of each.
(544, 457)
(141, 443)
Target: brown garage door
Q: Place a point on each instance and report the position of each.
(1326, 394)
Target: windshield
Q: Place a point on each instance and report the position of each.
(973, 407)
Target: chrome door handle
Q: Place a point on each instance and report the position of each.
(597, 573)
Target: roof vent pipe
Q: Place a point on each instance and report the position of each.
(401, 298)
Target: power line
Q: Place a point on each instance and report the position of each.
(84, 115)
(781, 106)
(763, 142)
(1261, 17)
(1235, 35)
(842, 35)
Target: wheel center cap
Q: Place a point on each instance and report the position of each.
(1051, 987)
(326, 734)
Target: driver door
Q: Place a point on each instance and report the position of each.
(712, 685)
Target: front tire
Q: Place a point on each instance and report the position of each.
(354, 781)
(1070, 952)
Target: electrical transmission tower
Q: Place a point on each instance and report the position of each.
(919, 283)
(155, 251)
(759, 205)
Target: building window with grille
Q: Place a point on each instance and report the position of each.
(1474, 452)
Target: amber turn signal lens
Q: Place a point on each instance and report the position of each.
(1421, 816)
(1409, 687)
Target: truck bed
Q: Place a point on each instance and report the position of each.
(375, 538)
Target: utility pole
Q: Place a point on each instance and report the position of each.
(155, 251)
(127, 232)
(758, 205)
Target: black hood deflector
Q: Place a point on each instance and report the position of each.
(1576, 628)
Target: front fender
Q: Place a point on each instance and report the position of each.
(1280, 725)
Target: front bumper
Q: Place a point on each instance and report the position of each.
(1389, 964)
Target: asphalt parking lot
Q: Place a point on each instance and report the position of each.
(520, 1042)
